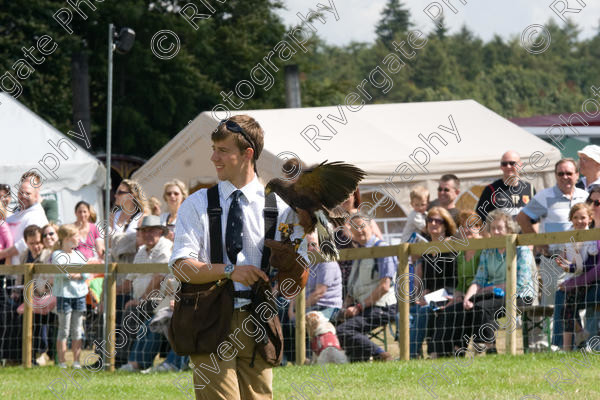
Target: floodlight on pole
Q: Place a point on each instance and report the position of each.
(122, 44)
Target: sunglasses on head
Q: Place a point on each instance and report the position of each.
(507, 163)
(431, 220)
(565, 173)
(441, 189)
(47, 234)
(234, 127)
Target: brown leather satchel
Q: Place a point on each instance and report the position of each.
(271, 347)
(202, 317)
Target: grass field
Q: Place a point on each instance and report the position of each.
(487, 377)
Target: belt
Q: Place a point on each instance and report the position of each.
(243, 294)
(244, 308)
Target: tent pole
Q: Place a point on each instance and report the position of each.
(108, 186)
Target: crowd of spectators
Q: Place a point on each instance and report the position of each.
(459, 294)
(67, 304)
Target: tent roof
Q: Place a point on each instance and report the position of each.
(553, 119)
(25, 139)
(378, 138)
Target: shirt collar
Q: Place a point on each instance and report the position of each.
(586, 185)
(371, 241)
(559, 192)
(253, 191)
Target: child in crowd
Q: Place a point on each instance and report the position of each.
(577, 254)
(415, 221)
(70, 290)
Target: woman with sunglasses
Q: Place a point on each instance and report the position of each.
(49, 239)
(431, 274)
(49, 235)
(131, 207)
(174, 193)
(590, 278)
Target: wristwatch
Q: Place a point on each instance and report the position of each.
(229, 270)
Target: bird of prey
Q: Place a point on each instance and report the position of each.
(318, 190)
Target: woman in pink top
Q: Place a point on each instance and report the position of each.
(89, 237)
(6, 239)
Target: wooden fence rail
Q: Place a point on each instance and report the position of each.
(402, 251)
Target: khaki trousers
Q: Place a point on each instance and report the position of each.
(226, 374)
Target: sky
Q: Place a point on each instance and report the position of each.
(508, 18)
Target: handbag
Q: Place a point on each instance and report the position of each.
(271, 347)
(40, 305)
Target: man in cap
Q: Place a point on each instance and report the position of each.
(156, 249)
(589, 167)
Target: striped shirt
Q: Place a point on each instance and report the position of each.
(192, 239)
(551, 207)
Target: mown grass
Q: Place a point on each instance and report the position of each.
(487, 377)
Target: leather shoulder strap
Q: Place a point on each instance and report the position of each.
(214, 211)
(270, 214)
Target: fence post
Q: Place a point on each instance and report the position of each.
(511, 289)
(26, 348)
(111, 313)
(300, 327)
(402, 288)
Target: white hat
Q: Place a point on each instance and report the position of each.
(592, 151)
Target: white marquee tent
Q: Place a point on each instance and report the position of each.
(69, 172)
(383, 139)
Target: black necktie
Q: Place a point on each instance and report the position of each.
(235, 225)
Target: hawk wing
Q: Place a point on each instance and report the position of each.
(329, 184)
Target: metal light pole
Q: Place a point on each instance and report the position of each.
(107, 231)
(124, 43)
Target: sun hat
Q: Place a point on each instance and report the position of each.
(152, 221)
(592, 151)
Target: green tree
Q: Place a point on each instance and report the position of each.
(395, 19)
(441, 29)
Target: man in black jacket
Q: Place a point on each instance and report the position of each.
(510, 192)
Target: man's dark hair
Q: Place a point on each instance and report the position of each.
(565, 160)
(250, 126)
(31, 230)
(451, 177)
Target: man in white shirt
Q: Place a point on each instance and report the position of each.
(155, 250)
(589, 167)
(237, 144)
(30, 213)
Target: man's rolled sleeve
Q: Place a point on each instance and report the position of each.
(189, 234)
(387, 267)
(535, 210)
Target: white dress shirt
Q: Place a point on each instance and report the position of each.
(34, 215)
(192, 238)
(159, 254)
